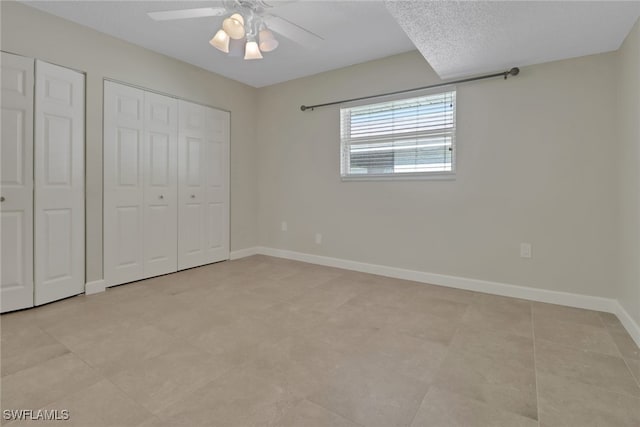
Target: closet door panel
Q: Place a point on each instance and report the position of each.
(203, 231)
(160, 185)
(16, 208)
(59, 183)
(123, 184)
(216, 166)
(191, 182)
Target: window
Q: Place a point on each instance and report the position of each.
(401, 138)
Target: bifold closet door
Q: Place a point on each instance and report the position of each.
(123, 188)
(203, 187)
(59, 183)
(160, 153)
(216, 169)
(140, 184)
(16, 208)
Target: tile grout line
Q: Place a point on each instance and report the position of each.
(573, 347)
(415, 414)
(606, 328)
(104, 377)
(2, 377)
(332, 411)
(308, 397)
(246, 362)
(618, 353)
(100, 374)
(446, 354)
(621, 393)
(624, 359)
(140, 404)
(535, 367)
(429, 385)
(71, 352)
(637, 379)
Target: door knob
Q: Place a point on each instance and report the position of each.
(193, 196)
(2, 199)
(161, 197)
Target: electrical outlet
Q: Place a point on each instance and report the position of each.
(284, 226)
(525, 250)
(318, 239)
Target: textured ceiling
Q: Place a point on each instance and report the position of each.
(353, 32)
(461, 38)
(457, 38)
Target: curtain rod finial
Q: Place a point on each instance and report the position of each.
(512, 72)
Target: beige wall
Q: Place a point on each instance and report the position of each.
(535, 164)
(628, 292)
(29, 32)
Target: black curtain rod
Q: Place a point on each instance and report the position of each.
(512, 72)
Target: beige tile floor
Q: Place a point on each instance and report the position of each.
(270, 342)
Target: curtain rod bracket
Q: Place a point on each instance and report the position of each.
(512, 72)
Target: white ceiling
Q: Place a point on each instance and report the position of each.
(457, 38)
(464, 38)
(353, 32)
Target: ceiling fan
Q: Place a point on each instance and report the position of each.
(248, 25)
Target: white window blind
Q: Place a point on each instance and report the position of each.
(406, 137)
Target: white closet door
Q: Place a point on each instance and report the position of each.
(191, 194)
(216, 166)
(16, 208)
(123, 184)
(59, 183)
(203, 157)
(160, 185)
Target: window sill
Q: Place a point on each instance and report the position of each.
(443, 176)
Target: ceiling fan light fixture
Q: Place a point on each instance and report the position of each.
(234, 26)
(251, 50)
(238, 18)
(220, 41)
(268, 41)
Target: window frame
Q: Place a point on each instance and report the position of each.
(407, 176)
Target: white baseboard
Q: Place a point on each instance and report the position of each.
(608, 305)
(243, 253)
(95, 287)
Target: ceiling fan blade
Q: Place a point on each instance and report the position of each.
(276, 3)
(292, 31)
(167, 15)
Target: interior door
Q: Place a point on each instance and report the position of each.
(215, 164)
(160, 185)
(16, 192)
(192, 200)
(123, 184)
(59, 183)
